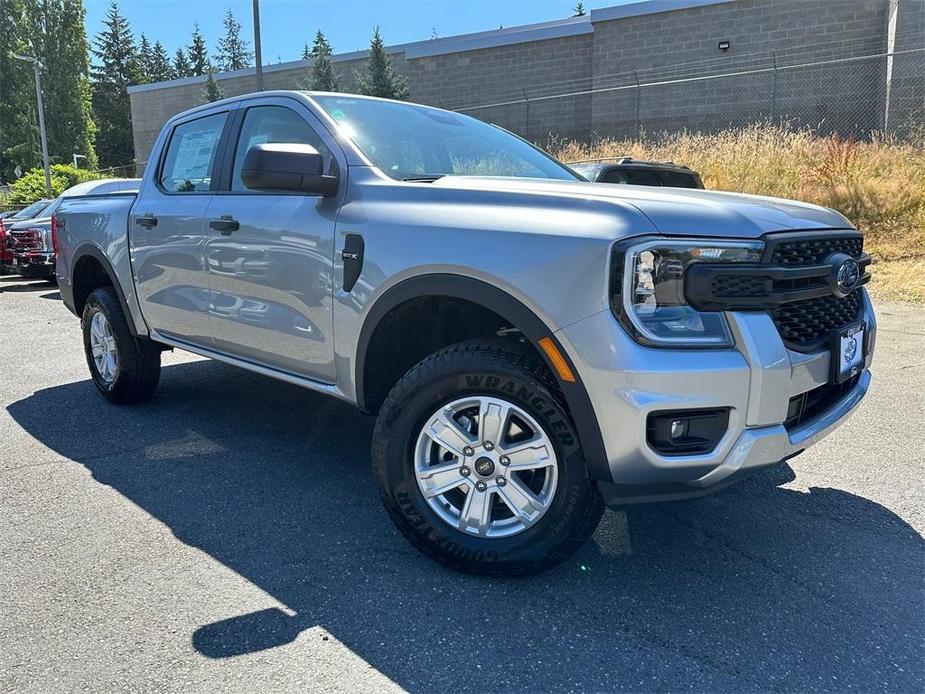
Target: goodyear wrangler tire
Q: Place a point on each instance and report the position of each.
(124, 369)
(479, 465)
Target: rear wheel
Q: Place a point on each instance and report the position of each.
(479, 465)
(124, 368)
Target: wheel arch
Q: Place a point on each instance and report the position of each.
(87, 263)
(512, 311)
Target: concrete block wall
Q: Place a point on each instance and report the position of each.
(654, 42)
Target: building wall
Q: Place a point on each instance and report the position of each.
(513, 80)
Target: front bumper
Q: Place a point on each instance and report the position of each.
(755, 380)
(34, 263)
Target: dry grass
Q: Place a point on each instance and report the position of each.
(878, 185)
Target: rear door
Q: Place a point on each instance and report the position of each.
(166, 228)
(270, 255)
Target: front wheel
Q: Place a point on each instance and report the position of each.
(124, 368)
(479, 465)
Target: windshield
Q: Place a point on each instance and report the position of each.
(406, 141)
(32, 210)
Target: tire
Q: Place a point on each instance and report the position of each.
(137, 363)
(454, 382)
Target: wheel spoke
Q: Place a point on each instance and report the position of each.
(493, 420)
(444, 431)
(476, 511)
(440, 479)
(530, 456)
(520, 500)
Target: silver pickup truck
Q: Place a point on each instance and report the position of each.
(535, 346)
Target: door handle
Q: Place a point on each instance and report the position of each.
(148, 221)
(225, 224)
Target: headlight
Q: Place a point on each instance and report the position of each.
(648, 290)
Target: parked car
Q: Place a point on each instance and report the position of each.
(31, 241)
(534, 345)
(637, 172)
(9, 218)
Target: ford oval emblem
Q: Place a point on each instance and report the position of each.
(847, 276)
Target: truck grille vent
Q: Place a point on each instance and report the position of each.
(807, 325)
(28, 240)
(807, 406)
(727, 286)
(814, 251)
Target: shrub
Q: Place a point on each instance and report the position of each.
(31, 185)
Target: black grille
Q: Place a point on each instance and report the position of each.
(740, 285)
(814, 251)
(807, 406)
(806, 325)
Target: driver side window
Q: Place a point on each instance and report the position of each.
(266, 124)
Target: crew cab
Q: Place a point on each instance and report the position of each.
(534, 346)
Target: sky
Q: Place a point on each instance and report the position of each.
(287, 24)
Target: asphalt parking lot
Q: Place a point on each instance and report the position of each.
(227, 536)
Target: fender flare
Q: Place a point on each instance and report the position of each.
(90, 251)
(519, 316)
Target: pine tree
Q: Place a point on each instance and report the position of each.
(322, 77)
(161, 69)
(306, 52)
(181, 66)
(233, 51)
(19, 136)
(144, 59)
(579, 10)
(380, 77)
(116, 70)
(212, 91)
(198, 54)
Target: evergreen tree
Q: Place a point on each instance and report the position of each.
(181, 66)
(322, 77)
(116, 70)
(19, 136)
(380, 77)
(233, 51)
(306, 51)
(198, 54)
(212, 92)
(579, 10)
(144, 59)
(161, 69)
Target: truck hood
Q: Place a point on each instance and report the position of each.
(675, 211)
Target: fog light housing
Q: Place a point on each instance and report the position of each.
(686, 432)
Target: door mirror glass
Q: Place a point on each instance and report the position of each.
(287, 166)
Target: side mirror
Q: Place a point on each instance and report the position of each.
(287, 167)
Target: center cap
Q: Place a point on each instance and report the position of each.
(484, 466)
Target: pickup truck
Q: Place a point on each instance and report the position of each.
(535, 346)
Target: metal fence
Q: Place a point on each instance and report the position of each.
(857, 96)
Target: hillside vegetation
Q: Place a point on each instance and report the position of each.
(878, 185)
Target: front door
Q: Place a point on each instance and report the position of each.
(270, 256)
(166, 231)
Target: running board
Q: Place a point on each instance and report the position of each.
(294, 379)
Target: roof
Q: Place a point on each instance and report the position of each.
(525, 33)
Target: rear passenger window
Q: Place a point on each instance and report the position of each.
(269, 124)
(191, 155)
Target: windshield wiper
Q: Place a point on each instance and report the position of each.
(424, 178)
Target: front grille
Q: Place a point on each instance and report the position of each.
(728, 286)
(807, 406)
(806, 325)
(813, 251)
(28, 240)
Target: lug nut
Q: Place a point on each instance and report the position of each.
(464, 471)
(481, 486)
(504, 460)
(489, 445)
(468, 450)
(501, 481)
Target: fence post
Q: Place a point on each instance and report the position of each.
(527, 101)
(774, 86)
(638, 90)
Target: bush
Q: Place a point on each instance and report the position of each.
(31, 186)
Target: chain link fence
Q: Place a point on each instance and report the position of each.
(860, 96)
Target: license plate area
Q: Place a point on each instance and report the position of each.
(848, 351)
